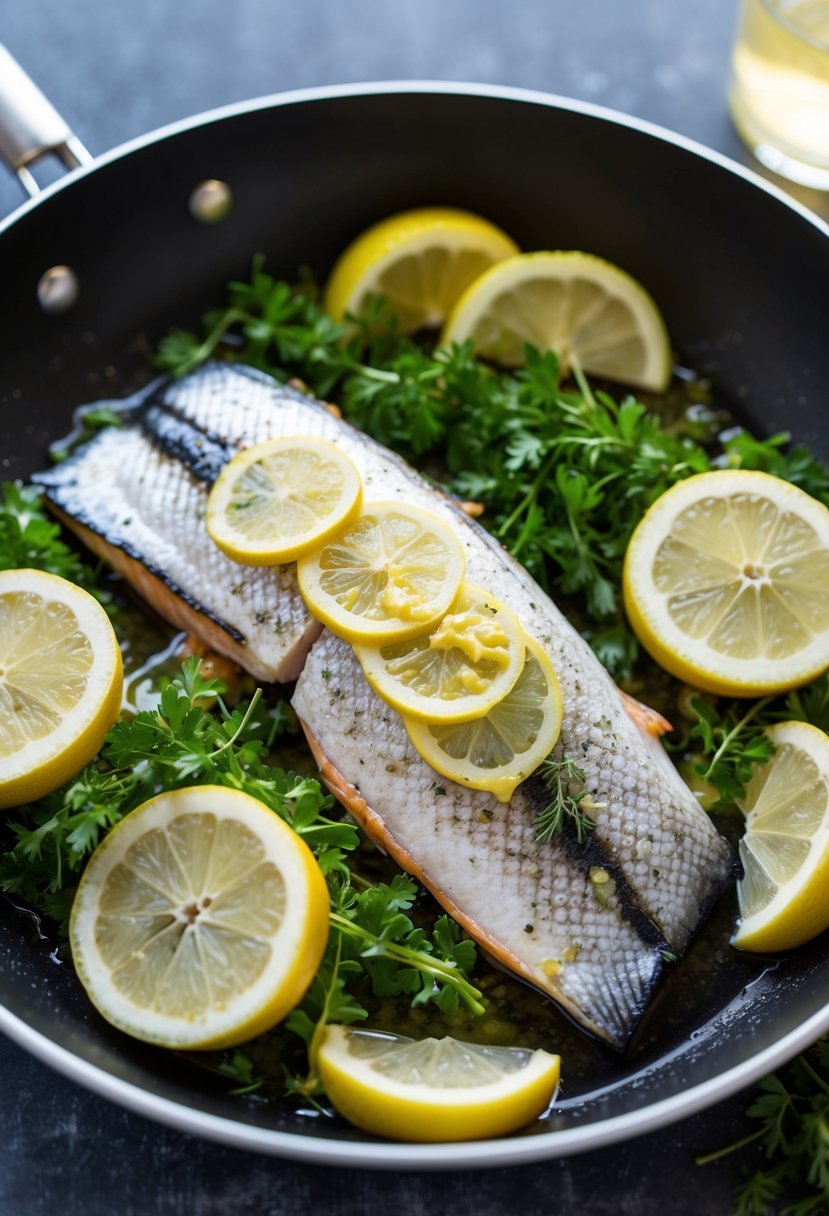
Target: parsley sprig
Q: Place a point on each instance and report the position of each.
(728, 739)
(792, 1110)
(31, 539)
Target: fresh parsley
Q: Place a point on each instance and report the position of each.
(373, 936)
(31, 539)
(727, 737)
(193, 738)
(565, 472)
(792, 1110)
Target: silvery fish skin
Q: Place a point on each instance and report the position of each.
(588, 923)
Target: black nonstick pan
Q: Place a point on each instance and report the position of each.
(98, 266)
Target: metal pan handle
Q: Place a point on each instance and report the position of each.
(30, 126)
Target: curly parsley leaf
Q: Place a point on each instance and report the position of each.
(792, 1110)
(31, 539)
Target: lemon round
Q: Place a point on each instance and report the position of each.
(391, 574)
(500, 750)
(200, 920)
(460, 670)
(61, 681)
(784, 894)
(591, 313)
(279, 499)
(434, 1089)
(420, 261)
(725, 582)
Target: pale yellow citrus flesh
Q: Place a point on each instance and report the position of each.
(277, 500)
(434, 1090)
(419, 261)
(61, 682)
(784, 894)
(459, 671)
(498, 751)
(724, 583)
(591, 313)
(392, 574)
(200, 920)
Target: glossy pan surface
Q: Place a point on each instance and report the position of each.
(740, 274)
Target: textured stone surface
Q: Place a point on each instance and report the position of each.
(120, 69)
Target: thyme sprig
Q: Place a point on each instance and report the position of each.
(560, 776)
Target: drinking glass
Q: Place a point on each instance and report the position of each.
(779, 95)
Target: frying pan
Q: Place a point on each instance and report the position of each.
(740, 273)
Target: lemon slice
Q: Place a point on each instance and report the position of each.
(784, 895)
(200, 920)
(392, 574)
(60, 682)
(725, 583)
(280, 499)
(419, 261)
(434, 1089)
(498, 751)
(588, 311)
(458, 672)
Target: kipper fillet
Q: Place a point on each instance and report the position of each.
(587, 924)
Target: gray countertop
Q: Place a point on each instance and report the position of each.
(118, 69)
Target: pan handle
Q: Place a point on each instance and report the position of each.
(30, 126)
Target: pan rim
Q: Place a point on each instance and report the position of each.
(483, 1154)
(381, 88)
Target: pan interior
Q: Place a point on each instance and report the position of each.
(739, 275)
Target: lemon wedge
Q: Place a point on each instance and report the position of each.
(60, 682)
(420, 261)
(784, 894)
(591, 313)
(391, 574)
(434, 1089)
(279, 499)
(458, 672)
(725, 583)
(498, 751)
(200, 920)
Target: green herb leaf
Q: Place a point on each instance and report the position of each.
(565, 806)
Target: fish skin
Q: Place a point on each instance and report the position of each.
(136, 496)
(531, 906)
(668, 861)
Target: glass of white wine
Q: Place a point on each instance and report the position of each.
(779, 94)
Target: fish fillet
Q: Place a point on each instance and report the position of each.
(587, 924)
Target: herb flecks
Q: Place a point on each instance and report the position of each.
(560, 776)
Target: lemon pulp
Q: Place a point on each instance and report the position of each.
(279, 499)
(501, 749)
(391, 574)
(591, 313)
(200, 920)
(723, 583)
(784, 893)
(61, 680)
(460, 670)
(420, 261)
(434, 1089)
